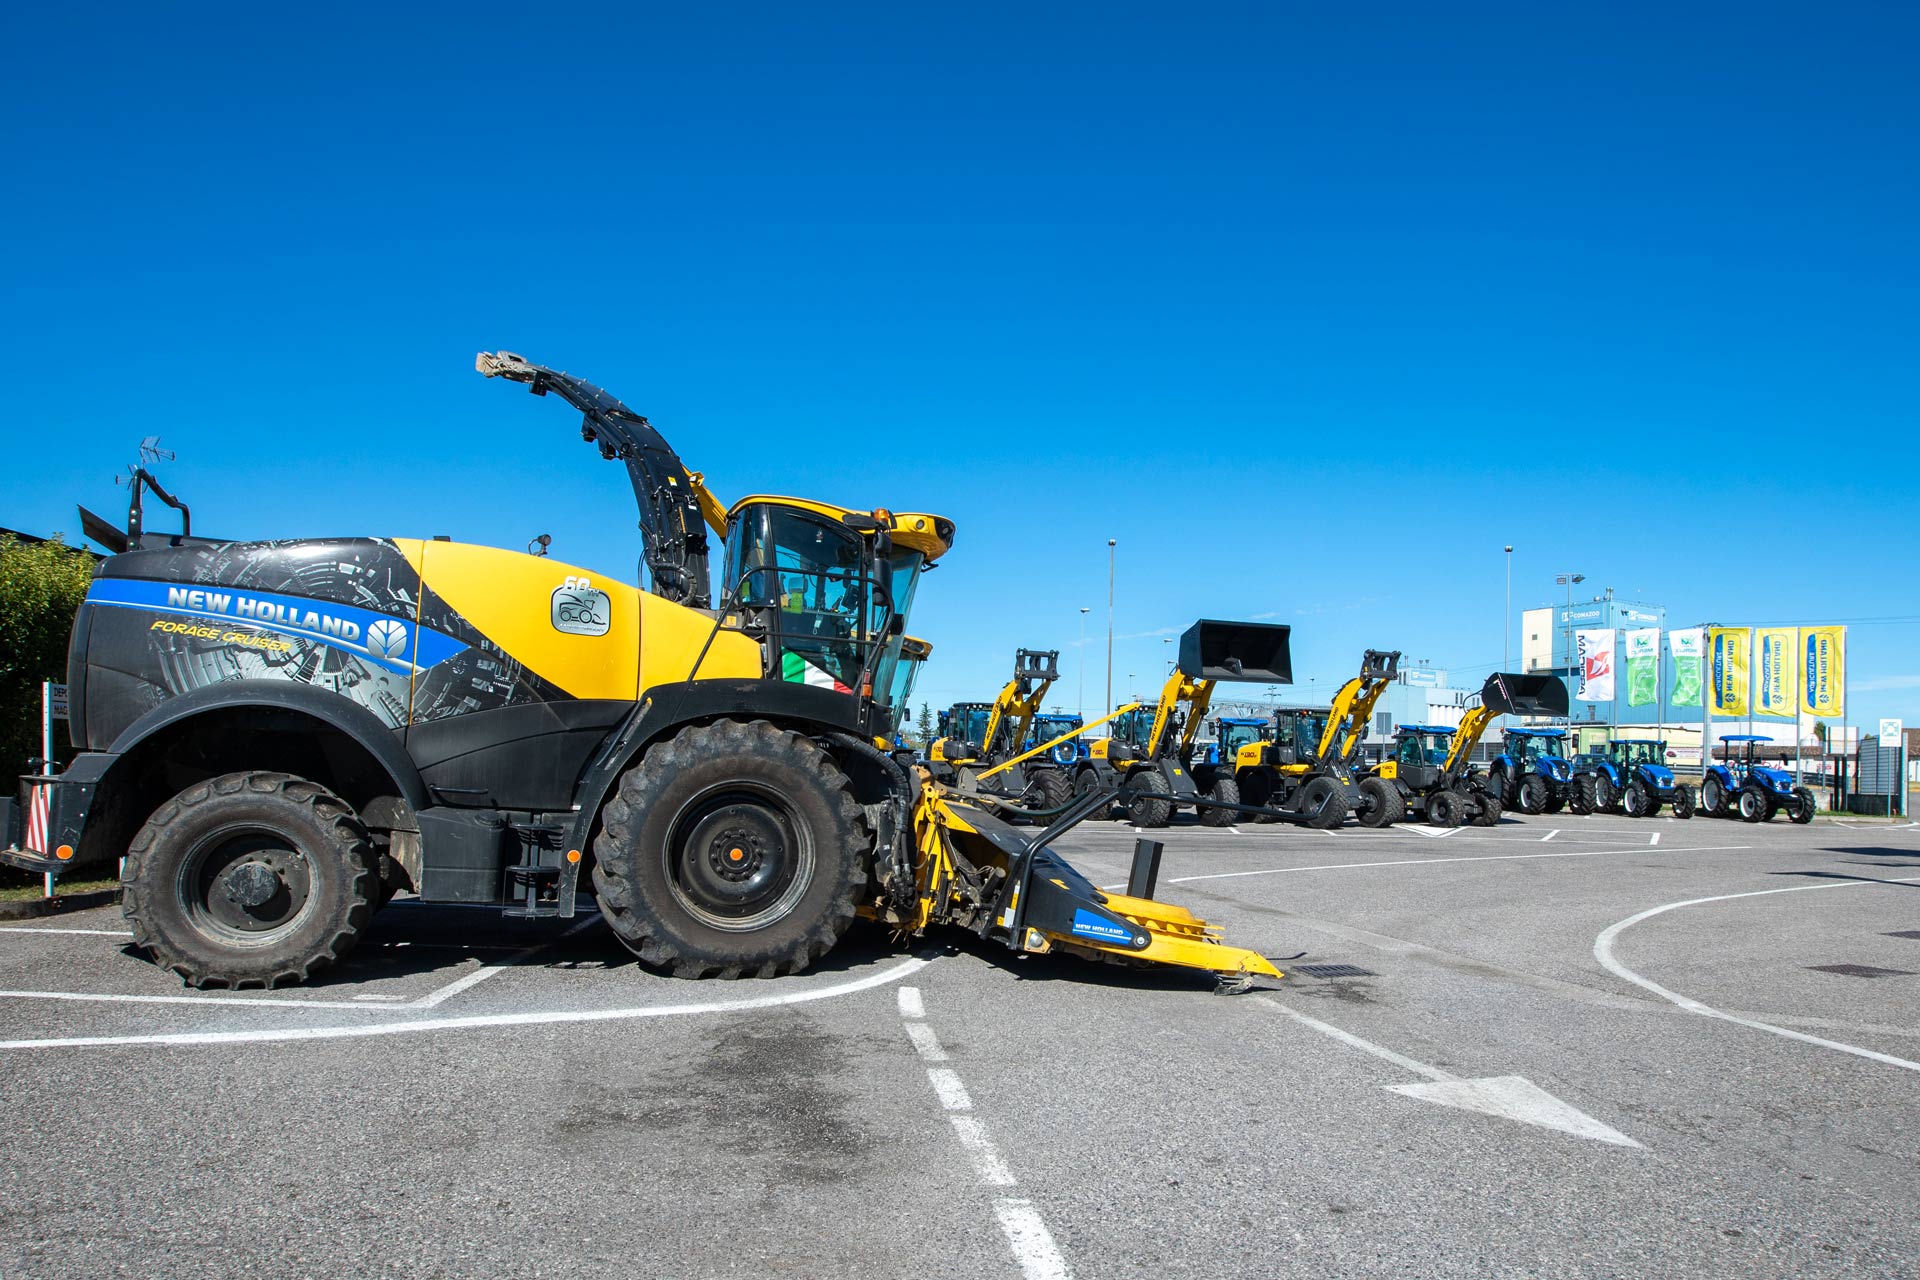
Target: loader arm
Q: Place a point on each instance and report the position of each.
(1466, 737)
(1178, 688)
(676, 510)
(1353, 705)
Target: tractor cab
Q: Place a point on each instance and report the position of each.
(1047, 727)
(1297, 732)
(962, 730)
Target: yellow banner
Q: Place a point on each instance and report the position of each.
(1727, 670)
(1776, 664)
(1823, 671)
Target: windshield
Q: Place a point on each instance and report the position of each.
(1047, 728)
(1235, 736)
(1529, 747)
(1133, 726)
(893, 680)
(1633, 754)
(1423, 748)
(970, 723)
(807, 577)
(1308, 727)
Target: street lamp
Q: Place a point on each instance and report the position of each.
(1568, 580)
(1081, 660)
(1168, 640)
(1506, 619)
(1110, 543)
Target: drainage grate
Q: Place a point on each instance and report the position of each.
(1334, 971)
(1904, 933)
(1861, 971)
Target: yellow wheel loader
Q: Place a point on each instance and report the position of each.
(1305, 771)
(277, 735)
(976, 736)
(1148, 752)
(1430, 766)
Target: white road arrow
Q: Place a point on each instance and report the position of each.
(1508, 1097)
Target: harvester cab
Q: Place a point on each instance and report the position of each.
(1148, 753)
(1741, 784)
(976, 737)
(1306, 773)
(1532, 772)
(1631, 776)
(381, 714)
(1431, 765)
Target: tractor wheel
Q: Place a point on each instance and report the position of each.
(1637, 800)
(1226, 791)
(1446, 808)
(1487, 813)
(1713, 797)
(250, 880)
(1535, 794)
(731, 849)
(1142, 812)
(1604, 795)
(1682, 801)
(1580, 795)
(1753, 806)
(1502, 786)
(1803, 806)
(1321, 803)
(1380, 803)
(1048, 790)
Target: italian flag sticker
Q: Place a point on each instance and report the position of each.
(797, 669)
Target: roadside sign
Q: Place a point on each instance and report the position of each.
(56, 701)
(1889, 732)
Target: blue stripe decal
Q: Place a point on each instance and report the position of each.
(381, 639)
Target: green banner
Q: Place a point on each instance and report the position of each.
(1688, 648)
(1643, 667)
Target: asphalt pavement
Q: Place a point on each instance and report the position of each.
(1565, 1046)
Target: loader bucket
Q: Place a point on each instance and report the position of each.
(1254, 651)
(1508, 693)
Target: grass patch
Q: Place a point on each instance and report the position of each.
(24, 886)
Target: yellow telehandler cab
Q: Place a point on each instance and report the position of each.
(975, 736)
(1305, 771)
(1148, 752)
(279, 735)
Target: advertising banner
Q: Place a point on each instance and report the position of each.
(1776, 683)
(1643, 666)
(1688, 646)
(1596, 665)
(1824, 671)
(1728, 671)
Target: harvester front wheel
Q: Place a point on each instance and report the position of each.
(250, 880)
(1380, 803)
(1226, 791)
(731, 849)
(1142, 812)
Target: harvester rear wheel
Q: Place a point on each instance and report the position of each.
(1380, 803)
(731, 849)
(1226, 791)
(250, 880)
(1142, 812)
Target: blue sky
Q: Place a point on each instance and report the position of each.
(1312, 309)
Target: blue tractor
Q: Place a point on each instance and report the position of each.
(1049, 726)
(1531, 774)
(1630, 776)
(1742, 785)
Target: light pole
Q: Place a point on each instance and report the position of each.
(1110, 543)
(1506, 619)
(1081, 661)
(1568, 580)
(1167, 640)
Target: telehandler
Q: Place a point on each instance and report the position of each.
(975, 736)
(277, 735)
(1430, 766)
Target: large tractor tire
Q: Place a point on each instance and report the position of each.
(1048, 790)
(1446, 808)
(1502, 785)
(731, 849)
(1380, 803)
(1321, 803)
(1713, 797)
(1683, 803)
(1142, 812)
(1535, 795)
(1486, 809)
(1226, 791)
(1639, 801)
(1580, 794)
(1803, 806)
(1602, 794)
(1754, 807)
(250, 880)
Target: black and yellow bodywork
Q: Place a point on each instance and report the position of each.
(975, 737)
(1306, 769)
(1148, 750)
(1432, 769)
(278, 735)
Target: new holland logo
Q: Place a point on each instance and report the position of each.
(386, 639)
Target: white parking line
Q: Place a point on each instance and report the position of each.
(1653, 840)
(1550, 835)
(1603, 952)
(1432, 862)
(1027, 1236)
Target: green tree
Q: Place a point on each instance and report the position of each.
(41, 586)
(925, 727)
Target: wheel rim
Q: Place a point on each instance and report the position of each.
(738, 858)
(245, 886)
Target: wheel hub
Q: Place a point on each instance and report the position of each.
(251, 884)
(736, 862)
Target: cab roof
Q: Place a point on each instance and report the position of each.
(1536, 733)
(930, 535)
(1423, 728)
(1744, 737)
